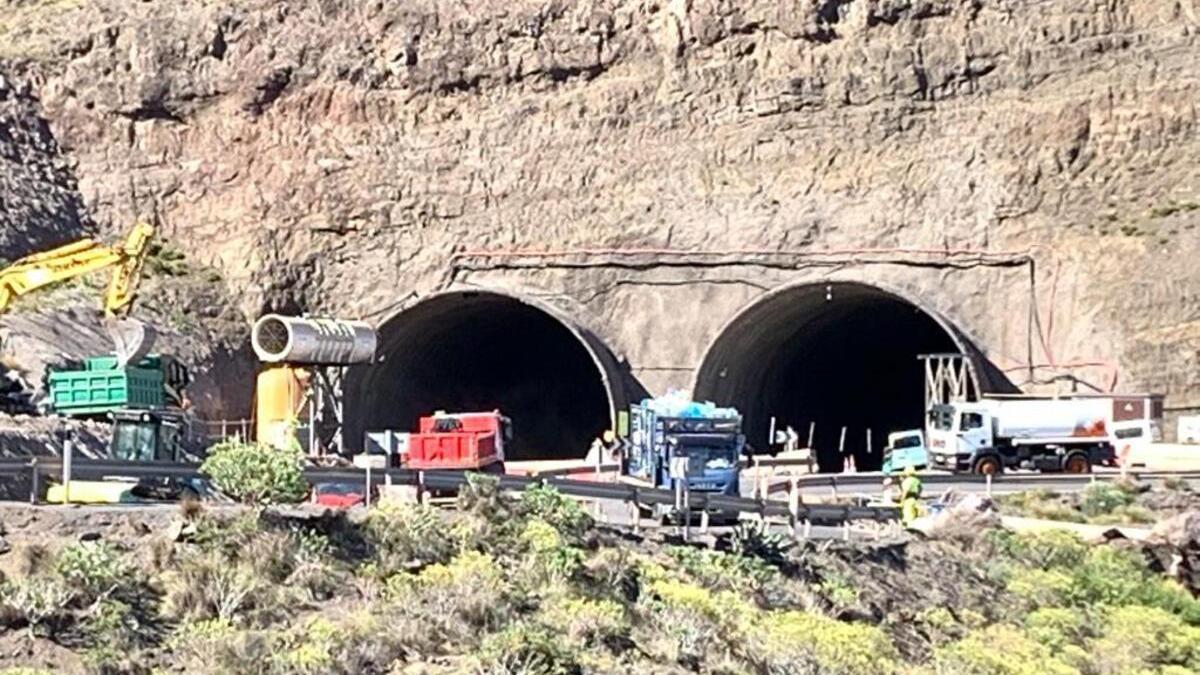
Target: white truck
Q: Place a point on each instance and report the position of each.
(1070, 434)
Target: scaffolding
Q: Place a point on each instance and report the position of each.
(949, 377)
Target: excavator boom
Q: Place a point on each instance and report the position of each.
(131, 338)
(123, 285)
(43, 269)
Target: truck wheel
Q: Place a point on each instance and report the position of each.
(988, 466)
(1077, 463)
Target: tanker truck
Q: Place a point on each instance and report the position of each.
(1070, 434)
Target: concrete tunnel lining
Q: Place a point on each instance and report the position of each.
(482, 349)
(834, 353)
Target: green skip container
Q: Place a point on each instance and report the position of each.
(101, 387)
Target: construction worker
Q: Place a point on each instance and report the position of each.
(605, 449)
(910, 496)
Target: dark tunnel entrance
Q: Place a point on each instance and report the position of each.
(480, 351)
(829, 355)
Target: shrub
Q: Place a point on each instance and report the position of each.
(1138, 639)
(453, 600)
(1040, 588)
(550, 558)
(544, 502)
(939, 624)
(113, 631)
(803, 642)
(482, 496)
(195, 641)
(1128, 514)
(1052, 548)
(722, 571)
(1081, 576)
(1103, 498)
(309, 649)
(93, 569)
(613, 572)
(838, 591)
(527, 648)
(1040, 503)
(38, 602)
(752, 540)
(689, 624)
(401, 535)
(228, 535)
(587, 621)
(1055, 627)
(1108, 576)
(1000, 650)
(208, 586)
(257, 474)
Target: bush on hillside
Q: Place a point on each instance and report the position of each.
(1000, 650)
(93, 569)
(544, 502)
(403, 535)
(723, 571)
(257, 474)
(1103, 498)
(1137, 639)
(787, 642)
(39, 603)
(528, 649)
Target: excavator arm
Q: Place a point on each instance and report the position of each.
(61, 264)
(123, 286)
(78, 258)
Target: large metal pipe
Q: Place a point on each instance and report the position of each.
(290, 339)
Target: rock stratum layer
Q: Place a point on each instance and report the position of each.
(1026, 170)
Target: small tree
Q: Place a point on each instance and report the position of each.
(257, 474)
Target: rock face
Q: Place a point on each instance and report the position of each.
(1026, 171)
(40, 206)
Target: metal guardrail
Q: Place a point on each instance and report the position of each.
(838, 480)
(51, 467)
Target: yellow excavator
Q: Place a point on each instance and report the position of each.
(132, 339)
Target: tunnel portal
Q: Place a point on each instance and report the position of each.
(831, 355)
(479, 351)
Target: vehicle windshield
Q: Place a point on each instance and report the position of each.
(133, 441)
(911, 441)
(941, 417)
(701, 457)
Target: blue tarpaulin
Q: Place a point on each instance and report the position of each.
(675, 403)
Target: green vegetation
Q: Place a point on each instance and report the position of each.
(164, 259)
(528, 584)
(257, 474)
(1100, 504)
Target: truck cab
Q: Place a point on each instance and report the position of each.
(905, 449)
(712, 445)
(147, 435)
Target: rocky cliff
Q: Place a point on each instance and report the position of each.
(335, 156)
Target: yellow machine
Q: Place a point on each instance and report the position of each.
(280, 395)
(30, 273)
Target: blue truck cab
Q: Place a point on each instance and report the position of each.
(905, 449)
(711, 439)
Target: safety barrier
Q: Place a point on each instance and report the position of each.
(40, 469)
(838, 480)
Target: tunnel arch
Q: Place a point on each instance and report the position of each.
(482, 349)
(833, 354)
